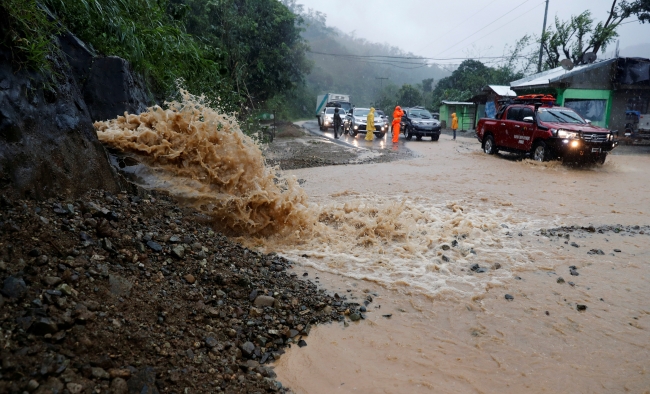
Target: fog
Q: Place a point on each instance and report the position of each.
(464, 27)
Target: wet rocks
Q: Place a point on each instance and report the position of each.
(178, 251)
(478, 269)
(509, 297)
(189, 278)
(264, 301)
(596, 251)
(573, 271)
(560, 280)
(617, 250)
(14, 287)
(189, 318)
(581, 307)
(575, 245)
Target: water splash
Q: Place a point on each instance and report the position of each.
(201, 157)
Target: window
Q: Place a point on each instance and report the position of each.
(593, 110)
(525, 112)
(514, 113)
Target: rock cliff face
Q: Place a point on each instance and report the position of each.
(48, 146)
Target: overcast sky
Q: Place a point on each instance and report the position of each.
(461, 28)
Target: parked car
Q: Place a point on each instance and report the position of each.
(545, 131)
(383, 116)
(356, 122)
(419, 122)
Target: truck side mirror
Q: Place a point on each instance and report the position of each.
(528, 119)
(588, 121)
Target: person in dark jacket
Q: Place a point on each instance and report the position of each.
(337, 122)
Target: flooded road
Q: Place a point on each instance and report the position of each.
(451, 329)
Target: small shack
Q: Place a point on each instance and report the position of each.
(603, 92)
(465, 111)
(487, 100)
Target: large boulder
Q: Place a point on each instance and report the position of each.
(112, 89)
(48, 145)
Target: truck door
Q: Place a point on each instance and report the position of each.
(525, 130)
(509, 129)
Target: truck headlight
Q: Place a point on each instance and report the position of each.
(566, 134)
(611, 137)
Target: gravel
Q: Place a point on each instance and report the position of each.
(134, 294)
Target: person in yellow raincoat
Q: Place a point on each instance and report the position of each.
(454, 124)
(370, 125)
(397, 119)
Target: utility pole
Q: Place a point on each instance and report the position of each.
(541, 44)
(381, 84)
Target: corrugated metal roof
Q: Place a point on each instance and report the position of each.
(502, 90)
(557, 74)
(457, 103)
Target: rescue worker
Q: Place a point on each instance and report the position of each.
(337, 122)
(397, 118)
(370, 125)
(454, 124)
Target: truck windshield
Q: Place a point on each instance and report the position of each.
(559, 116)
(420, 113)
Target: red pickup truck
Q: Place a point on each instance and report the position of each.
(545, 131)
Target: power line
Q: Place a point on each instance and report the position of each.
(484, 27)
(504, 25)
(381, 57)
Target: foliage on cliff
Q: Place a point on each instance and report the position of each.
(240, 51)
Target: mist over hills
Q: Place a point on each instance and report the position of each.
(353, 73)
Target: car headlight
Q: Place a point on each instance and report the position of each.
(611, 137)
(566, 134)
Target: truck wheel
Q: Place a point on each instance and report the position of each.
(540, 152)
(488, 146)
(418, 137)
(408, 134)
(601, 159)
(352, 132)
(435, 137)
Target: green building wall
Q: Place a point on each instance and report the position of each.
(465, 114)
(561, 95)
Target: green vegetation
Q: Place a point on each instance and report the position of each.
(572, 38)
(239, 52)
(26, 31)
(468, 79)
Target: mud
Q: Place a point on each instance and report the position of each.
(296, 148)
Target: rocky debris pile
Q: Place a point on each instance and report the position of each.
(122, 294)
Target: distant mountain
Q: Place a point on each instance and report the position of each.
(351, 71)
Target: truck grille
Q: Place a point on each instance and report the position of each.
(594, 137)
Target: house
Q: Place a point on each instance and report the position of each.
(602, 91)
(465, 111)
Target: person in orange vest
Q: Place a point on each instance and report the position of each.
(370, 125)
(454, 124)
(397, 118)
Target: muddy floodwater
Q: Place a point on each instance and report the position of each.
(569, 246)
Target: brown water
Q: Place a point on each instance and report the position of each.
(410, 231)
(483, 343)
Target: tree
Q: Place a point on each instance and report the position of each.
(573, 38)
(469, 78)
(258, 43)
(409, 96)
